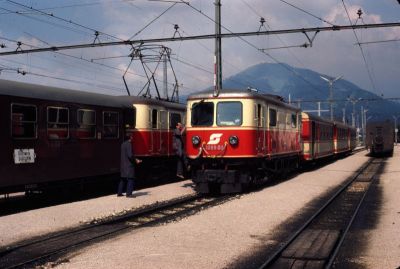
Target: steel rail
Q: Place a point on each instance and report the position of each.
(345, 232)
(295, 235)
(200, 37)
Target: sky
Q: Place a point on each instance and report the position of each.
(44, 23)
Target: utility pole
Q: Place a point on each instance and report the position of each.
(319, 109)
(330, 82)
(353, 101)
(218, 56)
(344, 115)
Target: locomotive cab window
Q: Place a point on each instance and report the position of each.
(174, 118)
(57, 122)
(294, 120)
(229, 113)
(86, 124)
(110, 124)
(272, 117)
(202, 114)
(24, 121)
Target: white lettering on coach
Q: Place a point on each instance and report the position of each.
(214, 139)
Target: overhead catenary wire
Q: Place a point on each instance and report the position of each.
(46, 22)
(64, 20)
(307, 12)
(255, 47)
(361, 50)
(285, 46)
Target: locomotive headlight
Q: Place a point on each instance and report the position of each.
(196, 140)
(233, 140)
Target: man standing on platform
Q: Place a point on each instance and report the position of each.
(128, 162)
(179, 149)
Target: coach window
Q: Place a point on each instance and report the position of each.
(174, 118)
(154, 115)
(24, 121)
(202, 114)
(86, 124)
(110, 124)
(57, 122)
(272, 117)
(229, 113)
(130, 118)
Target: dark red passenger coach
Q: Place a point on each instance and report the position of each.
(50, 134)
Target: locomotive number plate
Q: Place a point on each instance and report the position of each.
(24, 156)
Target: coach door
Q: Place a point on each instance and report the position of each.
(313, 139)
(163, 146)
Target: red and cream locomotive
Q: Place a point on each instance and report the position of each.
(238, 137)
(243, 136)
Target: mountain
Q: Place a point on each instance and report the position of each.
(306, 85)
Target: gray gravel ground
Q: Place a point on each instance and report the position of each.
(216, 237)
(21, 226)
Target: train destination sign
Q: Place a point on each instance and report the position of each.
(24, 156)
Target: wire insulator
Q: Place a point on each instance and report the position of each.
(359, 13)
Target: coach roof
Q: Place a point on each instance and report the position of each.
(13, 88)
(245, 94)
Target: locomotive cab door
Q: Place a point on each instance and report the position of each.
(154, 133)
(260, 125)
(163, 145)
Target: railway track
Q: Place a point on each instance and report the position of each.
(49, 248)
(317, 242)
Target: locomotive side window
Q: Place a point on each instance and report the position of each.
(294, 120)
(202, 114)
(86, 124)
(57, 122)
(174, 118)
(272, 117)
(154, 118)
(110, 124)
(23, 120)
(229, 113)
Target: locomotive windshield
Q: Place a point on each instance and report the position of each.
(229, 114)
(202, 114)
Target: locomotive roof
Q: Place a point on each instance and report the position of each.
(239, 93)
(13, 88)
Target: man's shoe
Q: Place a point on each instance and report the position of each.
(130, 196)
(180, 176)
(118, 195)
